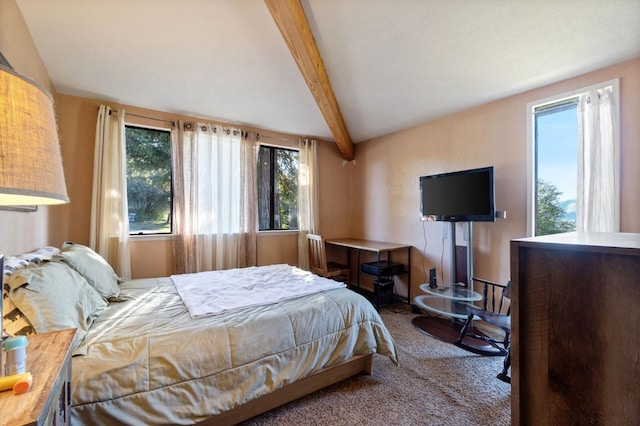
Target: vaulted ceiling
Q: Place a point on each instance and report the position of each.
(390, 64)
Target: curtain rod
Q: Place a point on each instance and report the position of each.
(149, 118)
(260, 136)
(143, 116)
(279, 138)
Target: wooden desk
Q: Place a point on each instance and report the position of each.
(377, 247)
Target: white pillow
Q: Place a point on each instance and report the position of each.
(98, 273)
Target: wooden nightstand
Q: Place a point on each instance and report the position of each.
(48, 400)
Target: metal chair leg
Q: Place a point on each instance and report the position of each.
(503, 375)
(463, 331)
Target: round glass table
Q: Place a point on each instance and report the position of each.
(449, 303)
(448, 300)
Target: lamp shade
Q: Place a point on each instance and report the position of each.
(30, 163)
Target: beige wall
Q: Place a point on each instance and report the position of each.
(17, 46)
(384, 180)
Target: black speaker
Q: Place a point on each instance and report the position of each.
(432, 278)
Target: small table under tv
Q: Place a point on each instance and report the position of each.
(449, 300)
(450, 303)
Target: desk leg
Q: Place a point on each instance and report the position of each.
(376, 294)
(408, 271)
(409, 275)
(358, 267)
(349, 264)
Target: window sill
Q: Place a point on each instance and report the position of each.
(278, 231)
(150, 237)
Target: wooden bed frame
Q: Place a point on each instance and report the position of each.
(326, 377)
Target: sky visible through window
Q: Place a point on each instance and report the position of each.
(557, 150)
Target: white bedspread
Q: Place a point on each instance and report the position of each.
(216, 292)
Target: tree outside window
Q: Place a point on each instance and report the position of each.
(149, 180)
(556, 148)
(277, 188)
(573, 161)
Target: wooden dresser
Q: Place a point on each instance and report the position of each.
(576, 329)
(48, 400)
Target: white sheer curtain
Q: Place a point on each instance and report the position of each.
(308, 212)
(598, 162)
(109, 233)
(214, 213)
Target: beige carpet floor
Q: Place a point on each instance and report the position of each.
(435, 383)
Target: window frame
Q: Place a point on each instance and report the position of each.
(272, 148)
(531, 138)
(149, 234)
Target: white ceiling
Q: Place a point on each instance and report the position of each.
(392, 64)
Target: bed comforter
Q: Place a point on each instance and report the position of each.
(148, 362)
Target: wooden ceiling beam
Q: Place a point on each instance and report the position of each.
(290, 18)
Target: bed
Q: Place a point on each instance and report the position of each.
(140, 357)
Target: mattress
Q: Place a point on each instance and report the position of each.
(148, 362)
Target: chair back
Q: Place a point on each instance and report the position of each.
(317, 254)
(496, 297)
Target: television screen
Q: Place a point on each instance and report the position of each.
(462, 196)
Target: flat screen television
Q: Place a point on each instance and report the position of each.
(462, 196)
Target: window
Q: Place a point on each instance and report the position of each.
(149, 180)
(277, 188)
(556, 167)
(573, 164)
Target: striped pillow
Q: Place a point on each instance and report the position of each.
(14, 323)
